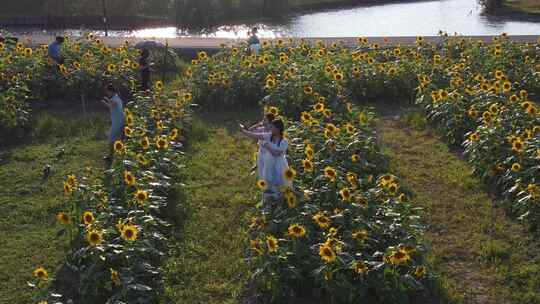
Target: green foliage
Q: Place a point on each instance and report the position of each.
(27, 75)
(117, 226)
(29, 203)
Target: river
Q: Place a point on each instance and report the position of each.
(423, 18)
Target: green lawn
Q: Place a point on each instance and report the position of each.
(207, 263)
(482, 255)
(29, 204)
(527, 6)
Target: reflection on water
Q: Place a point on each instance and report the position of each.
(404, 19)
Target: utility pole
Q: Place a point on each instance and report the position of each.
(104, 5)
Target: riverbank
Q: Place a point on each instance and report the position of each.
(524, 6)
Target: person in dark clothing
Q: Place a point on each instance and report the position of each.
(144, 63)
(55, 51)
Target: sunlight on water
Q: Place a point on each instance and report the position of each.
(420, 18)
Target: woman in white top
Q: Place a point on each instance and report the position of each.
(262, 127)
(275, 162)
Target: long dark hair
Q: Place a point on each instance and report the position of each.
(145, 53)
(270, 117)
(278, 123)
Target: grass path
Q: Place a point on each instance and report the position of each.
(28, 205)
(207, 263)
(474, 267)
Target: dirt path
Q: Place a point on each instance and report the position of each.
(475, 267)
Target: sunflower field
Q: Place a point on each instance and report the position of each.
(118, 227)
(476, 93)
(347, 229)
(27, 76)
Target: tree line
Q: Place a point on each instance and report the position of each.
(190, 13)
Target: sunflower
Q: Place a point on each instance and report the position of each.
(145, 142)
(306, 117)
(345, 194)
(71, 180)
(88, 218)
(158, 85)
(349, 108)
(162, 142)
(129, 178)
(309, 153)
(111, 68)
(507, 86)
(256, 245)
(359, 267)
(76, 65)
(322, 220)
(115, 278)
(141, 196)
(330, 173)
(202, 55)
(319, 107)
(355, 158)
(94, 237)
(273, 110)
(517, 146)
(41, 273)
(270, 83)
(474, 137)
(292, 200)
(28, 52)
(130, 232)
(128, 131)
(516, 167)
(173, 134)
(349, 128)
(119, 147)
(473, 114)
(188, 97)
(352, 179)
(308, 90)
(296, 231)
(272, 243)
(338, 76)
(68, 189)
(531, 110)
(403, 198)
(360, 235)
(189, 72)
(308, 165)
(331, 128)
(420, 271)
(392, 188)
(262, 184)
(63, 218)
(327, 253)
(399, 257)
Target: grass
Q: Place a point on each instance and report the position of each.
(207, 260)
(29, 203)
(526, 6)
(481, 255)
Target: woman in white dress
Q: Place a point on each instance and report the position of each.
(275, 161)
(262, 127)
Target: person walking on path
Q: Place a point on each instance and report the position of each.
(254, 42)
(55, 50)
(144, 64)
(116, 108)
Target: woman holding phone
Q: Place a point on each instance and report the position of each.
(275, 161)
